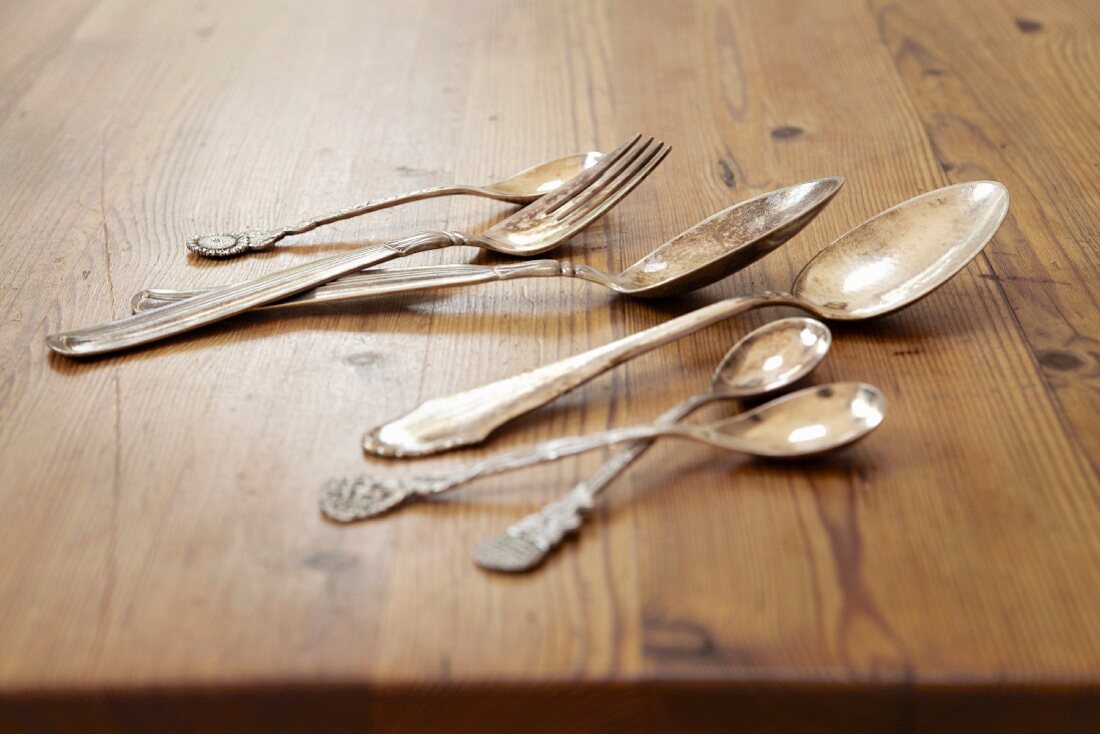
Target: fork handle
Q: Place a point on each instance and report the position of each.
(179, 317)
(469, 417)
(381, 283)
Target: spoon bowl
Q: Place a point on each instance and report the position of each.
(531, 183)
(727, 241)
(806, 423)
(902, 254)
(778, 354)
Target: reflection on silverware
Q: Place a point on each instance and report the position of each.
(885, 264)
(805, 423)
(768, 359)
(536, 228)
(521, 188)
(704, 254)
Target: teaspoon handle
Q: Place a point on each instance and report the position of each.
(225, 302)
(528, 541)
(231, 244)
(356, 498)
(380, 283)
(469, 417)
(374, 205)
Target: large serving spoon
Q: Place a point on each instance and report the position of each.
(534, 229)
(770, 358)
(805, 423)
(704, 254)
(520, 188)
(885, 264)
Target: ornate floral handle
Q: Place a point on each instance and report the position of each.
(527, 542)
(355, 498)
(232, 244)
(225, 302)
(469, 417)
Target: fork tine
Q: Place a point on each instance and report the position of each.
(625, 168)
(580, 218)
(609, 174)
(581, 182)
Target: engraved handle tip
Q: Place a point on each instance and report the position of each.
(509, 554)
(232, 244)
(347, 499)
(530, 541)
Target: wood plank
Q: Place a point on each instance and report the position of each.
(161, 547)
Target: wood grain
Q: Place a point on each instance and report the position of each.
(164, 563)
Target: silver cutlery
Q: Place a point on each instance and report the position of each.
(884, 264)
(804, 423)
(520, 188)
(704, 254)
(536, 228)
(768, 359)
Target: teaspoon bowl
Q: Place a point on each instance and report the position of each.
(778, 354)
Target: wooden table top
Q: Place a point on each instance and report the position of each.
(164, 562)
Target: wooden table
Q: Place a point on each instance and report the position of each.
(164, 563)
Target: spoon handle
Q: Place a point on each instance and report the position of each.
(379, 283)
(225, 302)
(223, 245)
(528, 541)
(469, 417)
(355, 498)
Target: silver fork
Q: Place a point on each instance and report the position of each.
(534, 229)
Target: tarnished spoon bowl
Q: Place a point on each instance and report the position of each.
(727, 241)
(902, 254)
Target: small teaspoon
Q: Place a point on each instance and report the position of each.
(768, 359)
(805, 423)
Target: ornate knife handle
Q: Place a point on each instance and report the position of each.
(469, 417)
(225, 302)
(232, 244)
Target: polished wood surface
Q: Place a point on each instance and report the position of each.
(164, 563)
